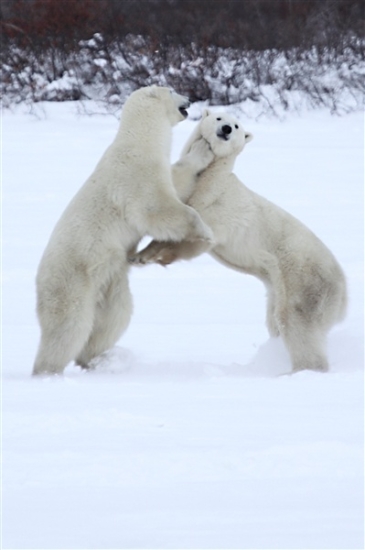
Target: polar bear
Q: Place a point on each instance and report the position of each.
(83, 298)
(305, 285)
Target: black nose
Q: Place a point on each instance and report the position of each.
(226, 129)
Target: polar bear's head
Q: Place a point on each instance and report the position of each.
(178, 110)
(158, 101)
(224, 133)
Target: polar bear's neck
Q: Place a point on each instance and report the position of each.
(225, 164)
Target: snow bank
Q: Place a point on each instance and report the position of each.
(190, 435)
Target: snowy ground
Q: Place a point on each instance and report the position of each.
(188, 437)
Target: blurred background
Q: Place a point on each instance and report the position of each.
(273, 53)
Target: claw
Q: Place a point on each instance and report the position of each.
(135, 261)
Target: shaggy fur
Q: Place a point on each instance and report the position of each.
(305, 284)
(83, 298)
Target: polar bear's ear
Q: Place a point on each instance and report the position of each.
(205, 113)
(248, 137)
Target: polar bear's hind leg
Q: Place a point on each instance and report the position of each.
(62, 339)
(306, 345)
(111, 319)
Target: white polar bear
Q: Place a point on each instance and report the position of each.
(306, 286)
(83, 298)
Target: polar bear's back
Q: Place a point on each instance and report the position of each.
(311, 271)
(245, 222)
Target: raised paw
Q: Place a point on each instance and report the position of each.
(138, 259)
(201, 154)
(200, 231)
(156, 252)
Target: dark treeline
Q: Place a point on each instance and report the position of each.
(224, 51)
(240, 24)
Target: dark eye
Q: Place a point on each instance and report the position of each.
(219, 118)
(236, 126)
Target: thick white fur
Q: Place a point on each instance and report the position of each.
(83, 298)
(306, 286)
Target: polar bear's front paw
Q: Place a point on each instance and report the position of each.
(137, 259)
(201, 155)
(155, 253)
(201, 232)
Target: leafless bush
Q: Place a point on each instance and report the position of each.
(256, 51)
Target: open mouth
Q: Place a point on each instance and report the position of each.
(223, 136)
(183, 110)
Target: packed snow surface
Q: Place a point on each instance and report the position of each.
(189, 434)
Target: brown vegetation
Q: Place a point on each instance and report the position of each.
(209, 49)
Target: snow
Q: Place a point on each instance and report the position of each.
(187, 435)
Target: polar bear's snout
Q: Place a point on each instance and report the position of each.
(224, 132)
